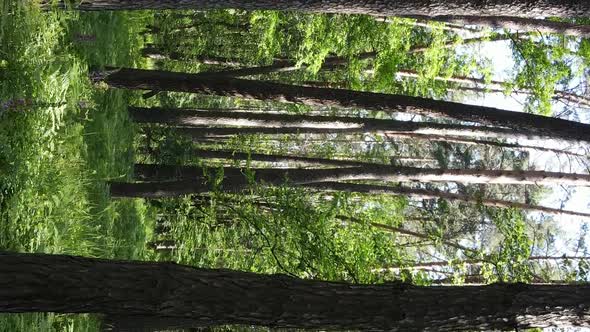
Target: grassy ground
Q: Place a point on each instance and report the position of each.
(61, 138)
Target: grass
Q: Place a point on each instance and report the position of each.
(61, 138)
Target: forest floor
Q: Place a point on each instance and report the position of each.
(61, 137)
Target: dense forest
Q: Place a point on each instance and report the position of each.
(343, 165)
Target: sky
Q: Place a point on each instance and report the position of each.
(501, 56)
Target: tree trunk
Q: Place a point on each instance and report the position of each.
(226, 154)
(518, 24)
(519, 8)
(426, 24)
(436, 194)
(331, 124)
(198, 133)
(278, 66)
(223, 86)
(157, 189)
(238, 117)
(396, 174)
(421, 265)
(154, 52)
(193, 180)
(66, 284)
(469, 141)
(561, 96)
(483, 86)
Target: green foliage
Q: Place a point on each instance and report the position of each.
(61, 143)
(48, 323)
(540, 67)
(280, 230)
(267, 25)
(510, 263)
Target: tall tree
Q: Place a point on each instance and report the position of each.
(302, 123)
(482, 86)
(293, 159)
(435, 194)
(198, 133)
(519, 8)
(470, 141)
(517, 23)
(195, 179)
(222, 86)
(67, 284)
(477, 261)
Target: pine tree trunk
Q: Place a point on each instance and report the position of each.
(232, 155)
(393, 174)
(421, 265)
(198, 134)
(328, 124)
(181, 82)
(469, 141)
(66, 284)
(436, 194)
(482, 86)
(154, 52)
(518, 24)
(157, 189)
(519, 8)
(192, 179)
(565, 97)
(425, 23)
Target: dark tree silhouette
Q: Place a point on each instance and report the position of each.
(67, 284)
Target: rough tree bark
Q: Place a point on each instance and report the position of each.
(517, 23)
(518, 8)
(223, 86)
(425, 23)
(66, 284)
